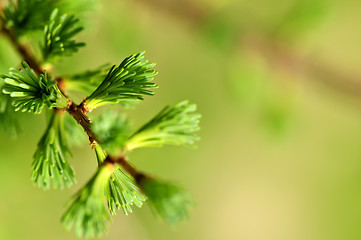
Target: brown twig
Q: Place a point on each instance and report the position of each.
(81, 118)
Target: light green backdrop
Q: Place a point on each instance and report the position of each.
(280, 155)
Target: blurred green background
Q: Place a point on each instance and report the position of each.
(279, 86)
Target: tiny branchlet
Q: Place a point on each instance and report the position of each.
(30, 92)
(122, 191)
(117, 184)
(175, 125)
(88, 213)
(127, 82)
(50, 165)
(58, 34)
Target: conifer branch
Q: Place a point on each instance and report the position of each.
(27, 55)
(76, 111)
(32, 87)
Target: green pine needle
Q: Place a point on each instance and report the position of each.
(122, 191)
(88, 214)
(127, 82)
(170, 202)
(50, 166)
(30, 93)
(175, 125)
(58, 34)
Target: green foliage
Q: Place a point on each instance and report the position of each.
(9, 119)
(30, 93)
(87, 81)
(58, 34)
(175, 125)
(127, 82)
(170, 202)
(50, 166)
(116, 180)
(112, 130)
(88, 214)
(122, 191)
(23, 16)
